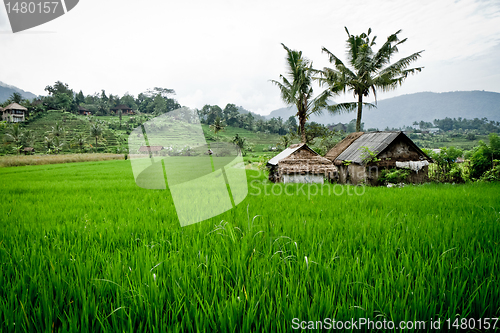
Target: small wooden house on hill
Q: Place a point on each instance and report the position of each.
(84, 111)
(125, 109)
(300, 164)
(14, 113)
(361, 157)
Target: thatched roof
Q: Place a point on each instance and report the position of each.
(342, 145)
(310, 165)
(150, 148)
(15, 106)
(28, 149)
(81, 108)
(301, 159)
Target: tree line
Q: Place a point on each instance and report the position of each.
(60, 96)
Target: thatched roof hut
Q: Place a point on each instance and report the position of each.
(15, 106)
(14, 113)
(300, 164)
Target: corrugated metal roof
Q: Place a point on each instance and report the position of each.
(285, 153)
(375, 141)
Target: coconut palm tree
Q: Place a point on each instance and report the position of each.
(57, 130)
(296, 88)
(217, 126)
(15, 135)
(95, 132)
(79, 140)
(368, 71)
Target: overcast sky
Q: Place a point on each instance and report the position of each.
(226, 51)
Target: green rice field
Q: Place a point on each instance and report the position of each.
(84, 249)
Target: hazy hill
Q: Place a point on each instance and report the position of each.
(7, 90)
(427, 106)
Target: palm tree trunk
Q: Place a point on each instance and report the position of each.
(303, 129)
(360, 110)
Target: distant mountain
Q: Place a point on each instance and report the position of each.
(256, 116)
(404, 110)
(7, 90)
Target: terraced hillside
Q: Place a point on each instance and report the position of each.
(115, 136)
(72, 125)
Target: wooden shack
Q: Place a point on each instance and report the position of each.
(361, 157)
(300, 164)
(83, 111)
(125, 109)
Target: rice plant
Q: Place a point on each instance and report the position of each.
(82, 248)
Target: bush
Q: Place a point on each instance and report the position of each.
(483, 156)
(493, 174)
(446, 168)
(394, 176)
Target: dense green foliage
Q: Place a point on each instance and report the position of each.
(482, 157)
(82, 248)
(367, 71)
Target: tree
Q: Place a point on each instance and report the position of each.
(48, 143)
(95, 132)
(285, 140)
(296, 88)
(240, 142)
(79, 99)
(15, 135)
(79, 140)
(369, 71)
(217, 126)
(16, 97)
(61, 97)
(57, 130)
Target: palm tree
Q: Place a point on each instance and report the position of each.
(79, 140)
(240, 142)
(29, 138)
(16, 98)
(297, 88)
(217, 126)
(95, 132)
(369, 71)
(57, 130)
(48, 143)
(58, 145)
(15, 135)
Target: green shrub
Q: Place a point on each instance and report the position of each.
(394, 176)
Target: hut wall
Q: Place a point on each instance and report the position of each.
(422, 176)
(303, 178)
(357, 173)
(351, 174)
(342, 174)
(399, 151)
